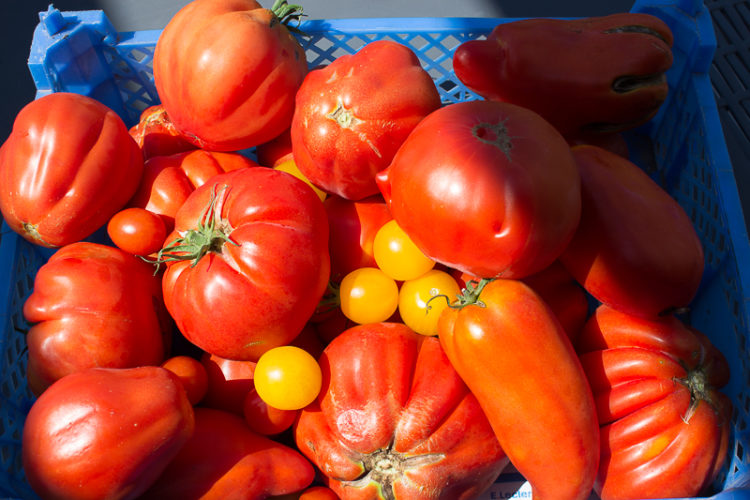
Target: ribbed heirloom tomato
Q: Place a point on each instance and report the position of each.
(247, 262)
(227, 72)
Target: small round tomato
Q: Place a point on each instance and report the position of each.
(290, 167)
(397, 255)
(368, 295)
(191, 373)
(287, 377)
(265, 419)
(421, 300)
(137, 231)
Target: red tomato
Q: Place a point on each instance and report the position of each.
(93, 306)
(191, 373)
(156, 135)
(67, 167)
(664, 424)
(265, 419)
(395, 412)
(233, 462)
(251, 250)
(137, 231)
(635, 248)
(318, 493)
(487, 188)
(105, 433)
(351, 116)
(227, 72)
(229, 381)
(276, 151)
(531, 386)
(353, 225)
(168, 180)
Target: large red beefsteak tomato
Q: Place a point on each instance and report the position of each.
(351, 116)
(227, 71)
(247, 262)
(68, 165)
(507, 345)
(93, 306)
(487, 188)
(394, 420)
(665, 426)
(105, 433)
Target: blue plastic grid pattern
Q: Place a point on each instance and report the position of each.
(682, 148)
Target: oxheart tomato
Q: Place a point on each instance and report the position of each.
(664, 424)
(351, 116)
(68, 165)
(227, 72)
(352, 228)
(156, 135)
(635, 248)
(168, 180)
(93, 306)
(247, 262)
(510, 349)
(394, 420)
(487, 188)
(225, 459)
(105, 433)
(586, 75)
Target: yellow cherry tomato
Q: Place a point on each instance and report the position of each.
(397, 255)
(368, 295)
(287, 378)
(290, 167)
(422, 299)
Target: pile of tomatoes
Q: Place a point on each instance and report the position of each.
(317, 283)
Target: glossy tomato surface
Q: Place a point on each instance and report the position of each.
(665, 426)
(105, 433)
(394, 420)
(93, 305)
(156, 135)
(515, 357)
(227, 72)
(486, 188)
(68, 165)
(247, 263)
(351, 116)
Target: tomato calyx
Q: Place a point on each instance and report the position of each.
(495, 134)
(470, 294)
(331, 299)
(696, 382)
(385, 467)
(210, 236)
(285, 13)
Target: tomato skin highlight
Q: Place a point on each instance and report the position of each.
(244, 97)
(487, 188)
(68, 165)
(665, 427)
(509, 348)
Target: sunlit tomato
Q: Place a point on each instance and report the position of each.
(265, 419)
(368, 295)
(156, 135)
(290, 167)
(191, 373)
(137, 231)
(397, 255)
(421, 300)
(287, 378)
(229, 381)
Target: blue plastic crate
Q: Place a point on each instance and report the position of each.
(683, 148)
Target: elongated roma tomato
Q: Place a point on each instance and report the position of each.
(665, 426)
(510, 349)
(227, 72)
(68, 165)
(351, 116)
(247, 262)
(487, 188)
(395, 420)
(105, 433)
(635, 248)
